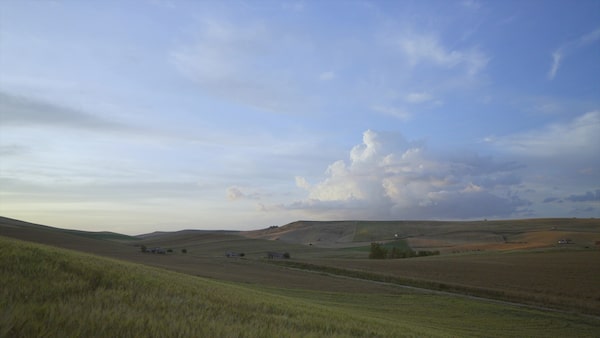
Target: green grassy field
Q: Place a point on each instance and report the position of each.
(53, 292)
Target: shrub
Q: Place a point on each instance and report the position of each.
(286, 255)
(184, 251)
(143, 248)
(428, 253)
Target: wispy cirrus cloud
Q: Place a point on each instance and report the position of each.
(396, 112)
(578, 137)
(418, 97)
(27, 111)
(242, 62)
(428, 49)
(258, 63)
(235, 193)
(570, 47)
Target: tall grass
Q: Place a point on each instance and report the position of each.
(57, 293)
(50, 292)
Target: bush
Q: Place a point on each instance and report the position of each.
(428, 253)
(184, 251)
(286, 255)
(143, 248)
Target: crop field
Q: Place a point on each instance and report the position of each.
(559, 279)
(52, 292)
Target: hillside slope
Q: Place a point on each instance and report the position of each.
(52, 292)
(102, 243)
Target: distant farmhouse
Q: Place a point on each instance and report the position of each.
(565, 241)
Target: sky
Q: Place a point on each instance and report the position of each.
(137, 116)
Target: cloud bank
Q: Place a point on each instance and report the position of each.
(387, 177)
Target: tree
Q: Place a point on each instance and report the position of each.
(183, 250)
(377, 251)
(396, 253)
(143, 248)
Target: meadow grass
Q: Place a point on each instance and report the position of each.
(51, 292)
(58, 293)
(454, 316)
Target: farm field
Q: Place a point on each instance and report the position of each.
(559, 279)
(53, 292)
(563, 277)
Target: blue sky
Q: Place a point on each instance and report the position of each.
(135, 116)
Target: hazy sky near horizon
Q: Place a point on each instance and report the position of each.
(135, 116)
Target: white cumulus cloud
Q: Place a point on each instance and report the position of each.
(386, 177)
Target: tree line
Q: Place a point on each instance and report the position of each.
(378, 251)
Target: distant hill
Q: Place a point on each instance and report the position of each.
(446, 236)
(94, 242)
(310, 232)
(14, 223)
(449, 235)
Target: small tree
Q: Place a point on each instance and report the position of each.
(286, 255)
(184, 251)
(396, 253)
(377, 251)
(143, 248)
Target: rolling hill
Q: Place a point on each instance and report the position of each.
(518, 260)
(53, 292)
(445, 236)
